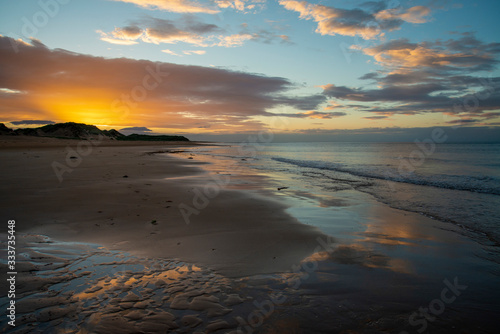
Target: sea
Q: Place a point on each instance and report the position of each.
(453, 183)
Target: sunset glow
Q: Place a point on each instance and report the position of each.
(174, 65)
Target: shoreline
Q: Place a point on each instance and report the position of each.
(32, 142)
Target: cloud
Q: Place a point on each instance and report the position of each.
(267, 37)
(325, 115)
(194, 52)
(176, 6)
(489, 115)
(356, 22)
(375, 118)
(154, 30)
(316, 114)
(190, 30)
(185, 52)
(394, 134)
(242, 5)
(463, 121)
(428, 77)
(234, 40)
(464, 53)
(476, 117)
(424, 97)
(67, 86)
(285, 39)
(110, 38)
(268, 34)
(186, 30)
(31, 122)
(6, 91)
(415, 14)
(170, 52)
(136, 128)
(409, 93)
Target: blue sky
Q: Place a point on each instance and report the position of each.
(320, 48)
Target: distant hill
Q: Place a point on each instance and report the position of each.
(73, 130)
(5, 130)
(152, 138)
(68, 131)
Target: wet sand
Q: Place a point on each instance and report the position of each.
(83, 288)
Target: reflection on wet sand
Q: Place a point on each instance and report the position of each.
(357, 254)
(385, 264)
(88, 289)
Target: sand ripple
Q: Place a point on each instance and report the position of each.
(84, 288)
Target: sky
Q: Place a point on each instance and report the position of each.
(208, 69)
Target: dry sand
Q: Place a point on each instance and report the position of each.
(119, 195)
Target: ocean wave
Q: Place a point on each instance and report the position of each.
(479, 184)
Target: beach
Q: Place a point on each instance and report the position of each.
(155, 237)
(130, 196)
(125, 198)
(249, 167)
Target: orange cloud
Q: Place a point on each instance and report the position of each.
(152, 35)
(355, 22)
(404, 55)
(415, 14)
(170, 52)
(176, 6)
(115, 38)
(40, 83)
(409, 57)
